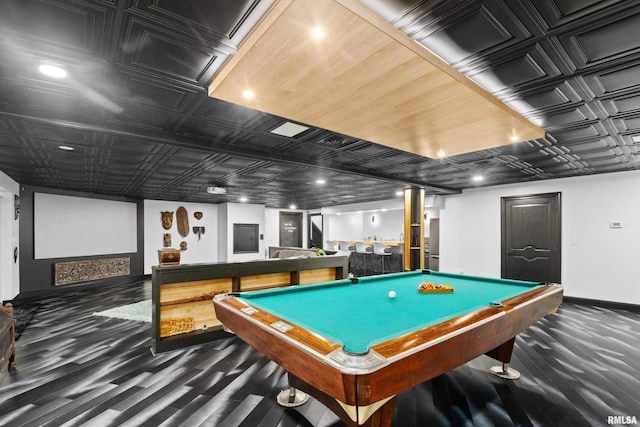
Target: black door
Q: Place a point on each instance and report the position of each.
(291, 229)
(531, 237)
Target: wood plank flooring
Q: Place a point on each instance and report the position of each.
(578, 367)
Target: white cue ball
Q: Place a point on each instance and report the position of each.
(392, 294)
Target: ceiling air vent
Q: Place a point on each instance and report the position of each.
(289, 129)
(335, 140)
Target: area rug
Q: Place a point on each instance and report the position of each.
(23, 315)
(140, 311)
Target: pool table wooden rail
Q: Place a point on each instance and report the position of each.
(292, 357)
(412, 359)
(427, 353)
(264, 319)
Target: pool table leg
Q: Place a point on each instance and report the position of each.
(503, 353)
(383, 417)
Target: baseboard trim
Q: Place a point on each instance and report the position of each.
(82, 286)
(601, 303)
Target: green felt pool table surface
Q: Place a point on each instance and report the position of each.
(361, 315)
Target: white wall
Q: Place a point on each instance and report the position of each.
(598, 262)
(386, 225)
(272, 228)
(346, 226)
(198, 251)
(9, 238)
(353, 221)
(239, 213)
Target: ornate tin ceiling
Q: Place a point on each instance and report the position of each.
(134, 105)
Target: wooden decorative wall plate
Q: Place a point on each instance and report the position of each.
(182, 218)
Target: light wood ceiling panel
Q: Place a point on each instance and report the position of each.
(365, 79)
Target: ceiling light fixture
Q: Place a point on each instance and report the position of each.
(66, 148)
(243, 199)
(52, 71)
(320, 181)
(407, 90)
(441, 153)
(635, 138)
(248, 94)
(292, 206)
(478, 178)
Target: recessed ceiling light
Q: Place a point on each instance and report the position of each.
(635, 138)
(248, 94)
(292, 206)
(478, 178)
(318, 33)
(53, 71)
(289, 129)
(514, 138)
(320, 181)
(399, 193)
(243, 199)
(441, 153)
(66, 148)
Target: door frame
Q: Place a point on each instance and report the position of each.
(310, 217)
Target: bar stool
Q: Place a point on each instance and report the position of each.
(330, 245)
(346, 247)
(383, 251)
(364, 250)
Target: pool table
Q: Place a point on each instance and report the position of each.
(354, 347)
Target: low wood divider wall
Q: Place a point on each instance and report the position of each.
(183, 313)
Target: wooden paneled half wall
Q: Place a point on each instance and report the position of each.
(182, 295)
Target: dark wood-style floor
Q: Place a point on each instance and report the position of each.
(579, 366)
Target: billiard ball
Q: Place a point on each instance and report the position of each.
(392, 294)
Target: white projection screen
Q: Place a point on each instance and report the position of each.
(67, 226)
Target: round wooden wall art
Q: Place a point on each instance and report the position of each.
(182, 218)
(197, 215)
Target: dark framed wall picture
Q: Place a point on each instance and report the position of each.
(246, 238)
(291, 229)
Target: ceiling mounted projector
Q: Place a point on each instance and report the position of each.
(216, 190)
